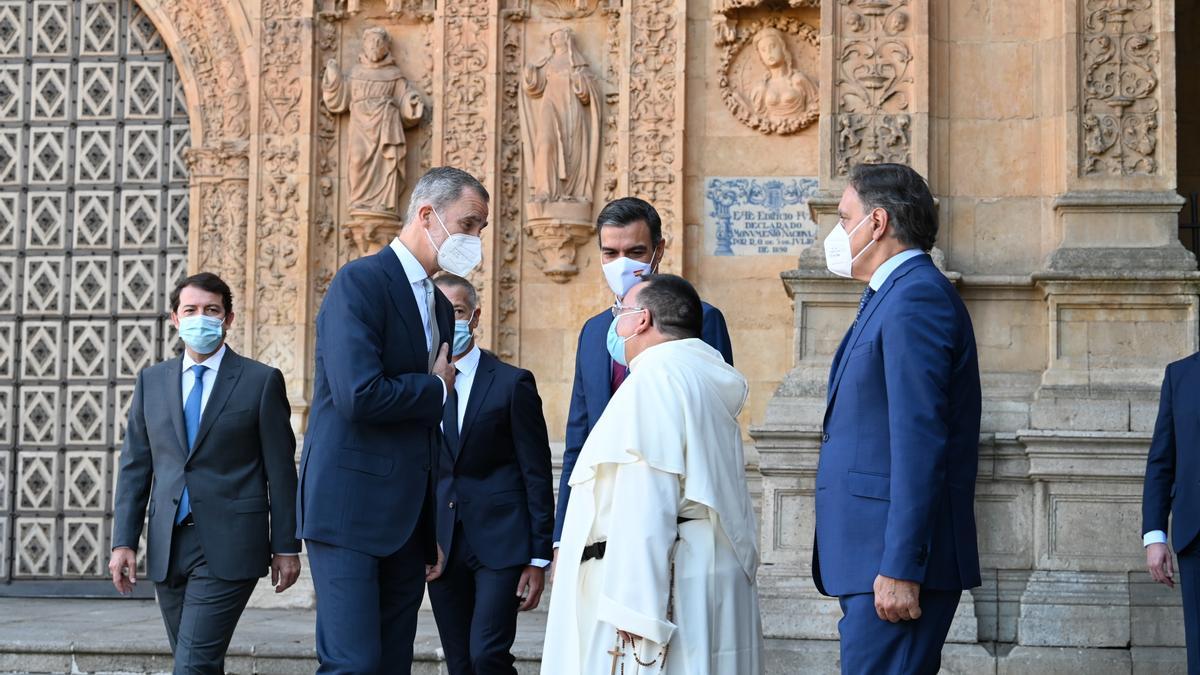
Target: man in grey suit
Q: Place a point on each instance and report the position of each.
(210, 446)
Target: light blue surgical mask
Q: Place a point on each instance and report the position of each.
(202, 334)
(462, 337)
(616, 343)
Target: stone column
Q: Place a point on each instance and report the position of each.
(1120, 295)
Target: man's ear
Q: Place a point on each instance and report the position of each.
(475, 317)
(879, 223)
(228, 320)
(175, 320)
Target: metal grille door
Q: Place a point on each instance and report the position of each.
(93, 234)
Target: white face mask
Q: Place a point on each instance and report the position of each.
(623, 274)
(460, 253)
(839, 258)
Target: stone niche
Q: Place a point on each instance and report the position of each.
(565, 94)
(368, 157)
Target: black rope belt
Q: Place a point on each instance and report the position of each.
(596, 551)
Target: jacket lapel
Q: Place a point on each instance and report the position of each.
(597, 369)
(405, 300)
(856, 332)
(227, 378)
(485, 373)
(174, 399)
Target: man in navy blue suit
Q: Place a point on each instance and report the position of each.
(631, 246)
(495, 500)
(383, 373)
(1172, 487)
(895, 490)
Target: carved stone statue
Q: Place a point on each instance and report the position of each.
(784, 91)
(381, 106)
(560, 127)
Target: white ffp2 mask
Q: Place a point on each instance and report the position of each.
(623, 274)
(839, 258)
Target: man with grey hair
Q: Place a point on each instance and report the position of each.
(383, 372)
(495, 500)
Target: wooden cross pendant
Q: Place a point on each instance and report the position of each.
(616, 654)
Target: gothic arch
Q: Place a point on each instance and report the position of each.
(212, 45)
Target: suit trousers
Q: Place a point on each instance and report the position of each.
(476, 612)
(1189, 585)
(199, 610)
(872, 646)
(367, 607)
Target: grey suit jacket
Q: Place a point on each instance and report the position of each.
(240, 474)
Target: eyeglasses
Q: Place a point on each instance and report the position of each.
(617, 309)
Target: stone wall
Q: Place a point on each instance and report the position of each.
(1057, 198)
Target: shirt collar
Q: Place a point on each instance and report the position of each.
(885, 270)
(469, 363)
(412, 267)
(213, 362)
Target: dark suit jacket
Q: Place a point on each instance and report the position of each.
(895, 485)
(499, 477)
(593, 388)
(240, 474)
(1172, 482)
(366, 472)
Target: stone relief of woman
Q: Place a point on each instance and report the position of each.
(784, 91)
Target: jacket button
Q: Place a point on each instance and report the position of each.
(175, 501)
(825, 438)
(451, 504)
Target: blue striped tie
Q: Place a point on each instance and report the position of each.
(867, 294)
(191, 420)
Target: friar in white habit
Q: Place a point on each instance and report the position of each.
(657, 561)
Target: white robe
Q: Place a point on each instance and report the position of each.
(668, 446)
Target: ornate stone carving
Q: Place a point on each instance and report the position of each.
(1119, 111)
(612, 98)
(765, 87)
(560, 124)
(724, 18)
(465, 128)
(324, 251)
(381, 106)
(873, 89)
(280, 209)
(656, 95)
(508, 198)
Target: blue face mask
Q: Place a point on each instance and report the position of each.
(203, 334)
(462, 337)
(616, 343)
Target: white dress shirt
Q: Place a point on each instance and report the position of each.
(888, 266)
(467, 366)
(416, 277)
(213, 364)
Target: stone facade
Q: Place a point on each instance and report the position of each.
(1048, 131)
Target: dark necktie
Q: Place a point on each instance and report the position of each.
(619, 373)
(867, 294)
(450, 420)
(191, 422)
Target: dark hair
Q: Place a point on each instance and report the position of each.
(905, 195)
(205, 281)
(440, 186)
(454, 281)
(674, 305)
(629, 210)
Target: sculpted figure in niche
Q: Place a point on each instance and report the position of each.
(561, 125)
(382, 106)
(784, 91)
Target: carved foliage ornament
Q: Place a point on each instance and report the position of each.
(1119, 120)
(724, 17)
(873, 89)
(762, 76)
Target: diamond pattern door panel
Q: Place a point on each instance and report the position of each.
(93, 234)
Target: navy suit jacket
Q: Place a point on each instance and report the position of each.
(895, 485)
(498, 475)
(593, 388)
(366, 472)
(1173, 465)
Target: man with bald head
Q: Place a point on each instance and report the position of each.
(659, 553)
